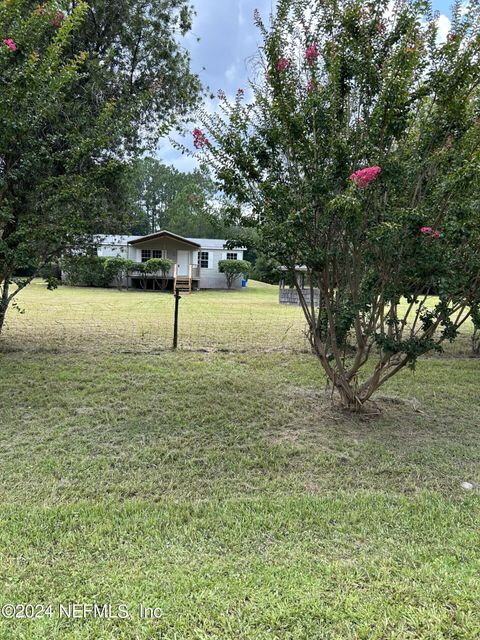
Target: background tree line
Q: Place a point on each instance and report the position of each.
(164, 198)
(161, 197)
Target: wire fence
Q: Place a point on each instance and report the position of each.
(101, 321)
(144, 322)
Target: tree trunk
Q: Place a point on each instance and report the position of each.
(476, 341)
(4, 301)
(3, 313)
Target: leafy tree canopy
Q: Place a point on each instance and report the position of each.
(85, 87)
(358, 158)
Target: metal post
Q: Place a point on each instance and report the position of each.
(175, 325)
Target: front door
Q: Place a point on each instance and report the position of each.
(183, 262)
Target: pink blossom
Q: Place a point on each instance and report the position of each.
(428, 231)
(363, 177)
(283, 64)
(240, 93)
(311, 54)
(199, 139)
(8, 42)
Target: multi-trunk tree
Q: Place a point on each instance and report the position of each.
(84, 88)
(234, 269)
(358, 158)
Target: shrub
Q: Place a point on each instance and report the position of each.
(152, 266)
(233, 269)
(163, 265)
(266, 270)
(84, 271)
(116, 270)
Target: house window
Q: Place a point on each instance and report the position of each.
(232, 256)
(203, 259)
(153, 253)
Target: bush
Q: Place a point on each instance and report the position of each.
(116, 269)
(50, 271)
(266, 270)
(233, 269)
(85, 271)
(157, 264)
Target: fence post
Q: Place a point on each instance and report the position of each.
(175, 324)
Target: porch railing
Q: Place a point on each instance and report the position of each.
(193, 272)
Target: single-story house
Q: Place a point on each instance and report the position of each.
(195, 260)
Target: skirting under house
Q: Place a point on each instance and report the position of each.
(290, 296)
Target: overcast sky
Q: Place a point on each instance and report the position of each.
(228, 38)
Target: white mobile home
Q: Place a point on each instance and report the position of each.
(195, 260)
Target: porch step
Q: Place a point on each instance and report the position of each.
(183, 284)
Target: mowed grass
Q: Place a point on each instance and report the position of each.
(92, 320)
(227, 491)
(88, 319)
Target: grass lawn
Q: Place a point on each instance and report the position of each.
(85, 319)
(223, 488)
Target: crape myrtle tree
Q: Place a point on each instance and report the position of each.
(85, 87)
(157, 266)
(116, 270)
(358, 158)
(233, 269)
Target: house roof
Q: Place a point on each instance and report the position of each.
(204, 243)
(164, 234)
(114, 240)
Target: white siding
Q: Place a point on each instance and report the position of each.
(211, 278)
(112, 251)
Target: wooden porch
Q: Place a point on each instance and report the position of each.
(183, 283)
(171, 281)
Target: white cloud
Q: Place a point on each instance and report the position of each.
(444, 27)
(241, 17)
(232, 72)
